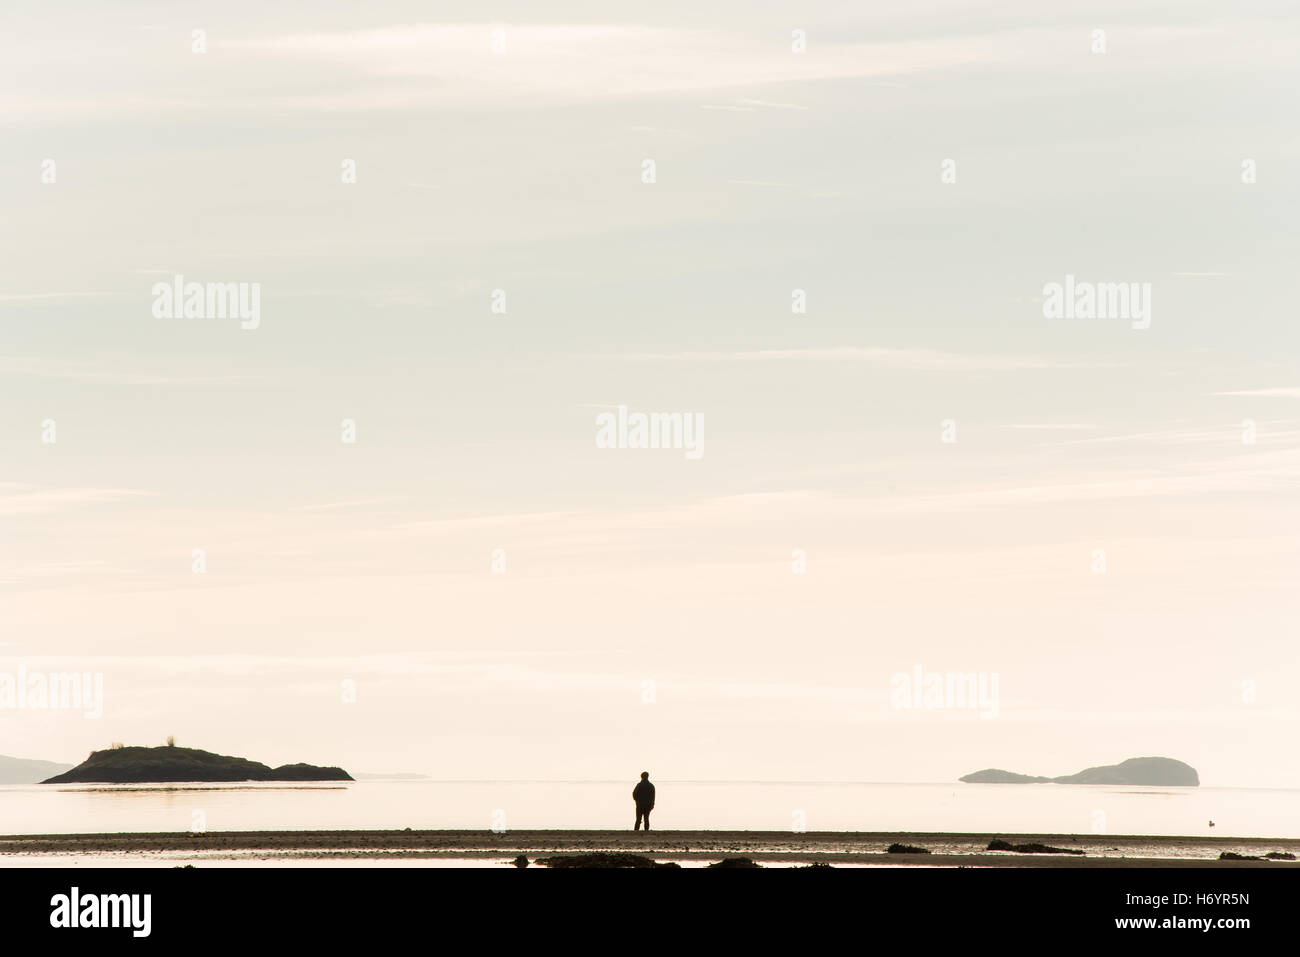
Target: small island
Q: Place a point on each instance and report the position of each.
(121, 765)
(1148, 772)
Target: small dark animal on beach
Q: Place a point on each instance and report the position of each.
(644, 796)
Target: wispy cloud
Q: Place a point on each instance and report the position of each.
(1287, 392)
(1272, 430)
(411, 66)
(1261, 472)
(597, 61)
(1054, 427)
(767, 104)
(40, 296)
(920, 360)
(19, 500)
(109, 371)
(353, 503)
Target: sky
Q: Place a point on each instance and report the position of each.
(376, 529)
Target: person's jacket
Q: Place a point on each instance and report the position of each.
(644, 795)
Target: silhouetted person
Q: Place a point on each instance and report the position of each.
(644, 796)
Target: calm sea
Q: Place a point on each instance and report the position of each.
(687, 805)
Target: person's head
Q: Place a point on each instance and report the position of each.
(645, 775)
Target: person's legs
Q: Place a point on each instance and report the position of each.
(646, 815)
(637, 825)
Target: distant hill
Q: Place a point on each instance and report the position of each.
(148, 765)
(998, 776)
(26, 771)
(1150, 772)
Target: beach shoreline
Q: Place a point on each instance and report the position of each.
(774, 847)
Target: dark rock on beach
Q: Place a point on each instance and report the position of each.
(1233, 856)
(1279, 856)
(157, 765)
(907, 849)
(601, 859)
(732, 862)
(997, 844)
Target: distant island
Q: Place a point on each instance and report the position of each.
(26, 770)
(120, 765)
(1150, 772)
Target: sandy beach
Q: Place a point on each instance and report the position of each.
(773, 847)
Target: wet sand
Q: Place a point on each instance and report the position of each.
(777, 847)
